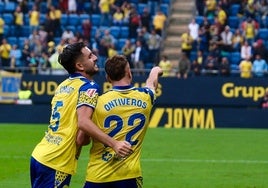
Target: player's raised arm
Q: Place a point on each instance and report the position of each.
(152, 80)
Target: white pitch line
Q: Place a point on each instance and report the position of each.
(206, 161)
(169, 160)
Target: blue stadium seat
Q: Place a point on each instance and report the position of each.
(8, 18)
(120, 43)
(83, 17)
(124, 32)
(234, 10)
(141, 6)
(12, 40)
(233, 22)
(95, 19)
(26, 19)
(263, 34)
(43, 7)
(26, 31)
(64, 20)
(93, 31)
(73, 19)
(2, 7)
(115, 31)
(71, 28)
(6, 31)
(10, 7)
(87, 7)
(42, 18)
(165, 9)
(235, 58)
(199, 20)
(21, 41)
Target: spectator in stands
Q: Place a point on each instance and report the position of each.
(33, 36)
(108, 38)
(67, 34)
(221, 15)
(126, 8)
(134, 23)
(246, 51)
(154, 44)
(186, 43)
(87, 27)
(34, 16)
(249, 9)
(194, 32)
(55, 18)
(2, 24)
(250, 29)
(184, 66)
(259, 67)
(43, 64)
(196, 68)
(15, 57)
(264, 101)
(210, 8)
(139, 56)
(33, 62)
(262, 11)
(5, 49)
(211, 65)
(200, 57)
(260, 48)
(225, 42)
(200, 7)
(245, 68)
(105, 9)
(118, 17)
(146, 19)
(72, 6)
(18, 21)
(215, 52)
(56, 67)
(111, 51)
(159, 22)
(203, 40)
(102, 47)
(237, 40)
(224, 67)
(26, 50)
(166, 66)
(127, 50)
(225, 5)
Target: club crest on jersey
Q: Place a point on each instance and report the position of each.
(91, 92)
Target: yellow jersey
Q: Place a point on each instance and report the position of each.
(57, 149)
(123, 113)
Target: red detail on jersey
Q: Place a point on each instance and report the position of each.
(91, 92)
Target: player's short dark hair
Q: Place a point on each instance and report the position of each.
(115, 67)
(69, 56)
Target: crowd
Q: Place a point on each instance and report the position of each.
(36, 32)
(226, 37)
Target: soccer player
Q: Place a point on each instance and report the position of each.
(122, 113)
(54, 159)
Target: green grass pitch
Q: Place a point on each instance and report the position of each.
(172, 158)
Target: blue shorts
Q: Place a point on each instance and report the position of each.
(43, 176)
(129, 183)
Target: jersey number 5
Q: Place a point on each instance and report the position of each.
(55, 117)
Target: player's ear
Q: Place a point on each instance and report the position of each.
(79, 66)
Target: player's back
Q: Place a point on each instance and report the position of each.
(124, 114)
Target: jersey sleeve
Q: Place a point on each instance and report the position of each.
(88, 95)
